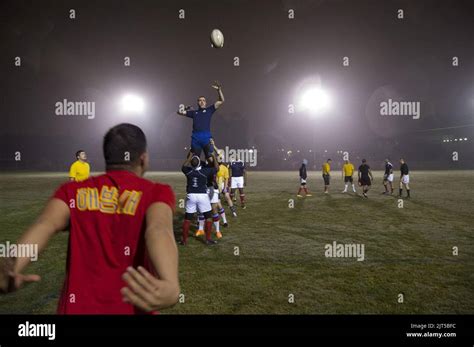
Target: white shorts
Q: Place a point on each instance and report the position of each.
(215, 196)
(390, 178)
(302, 181)
(237, 182)
(195, 202)
(405, 179)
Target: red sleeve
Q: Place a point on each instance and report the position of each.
(61, 193)
(164, 193)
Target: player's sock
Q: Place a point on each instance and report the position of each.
(299, 191)
(401, 190)
(215, 219)
(242, 199)
(305, 190)
(345, 187)
(208, 229)
(353, 188)
(408, 192)
(201, 222)
(222, 214)
(186, 224)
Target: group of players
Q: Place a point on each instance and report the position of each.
(365, 177)
(208, 178)
(122, 255)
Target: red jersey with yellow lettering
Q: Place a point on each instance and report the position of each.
(107, 227)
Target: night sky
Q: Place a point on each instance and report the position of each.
(172, 62)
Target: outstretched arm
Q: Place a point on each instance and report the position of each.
(188, 159)
(216, 150)
(54, 218)
(220, 100)
(182, 111)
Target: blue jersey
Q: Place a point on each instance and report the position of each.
(238, 168)
(197, 178)
(202, 119)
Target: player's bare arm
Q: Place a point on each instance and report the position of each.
(220, 99)
(188, 159)
(144, 290)
(54, 218)
(214, 160)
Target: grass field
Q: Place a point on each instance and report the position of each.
(408, 250)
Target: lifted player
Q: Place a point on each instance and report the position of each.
(197, 198)
(201, 136)
(303, 178)
(388, 177)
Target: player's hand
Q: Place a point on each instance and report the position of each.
(147, 292)
(11, 281)
(216, 85)
(211, 141)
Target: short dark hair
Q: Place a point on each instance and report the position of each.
(121, 140)
(329, 159)
(79, 152)
(202, 96)
(364, 161)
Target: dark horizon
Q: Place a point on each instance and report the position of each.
(172, 63)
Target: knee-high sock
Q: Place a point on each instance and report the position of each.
(215, 219)
(201, 222)
(186, 224)
(305, 190)
(222, 213)
(299, 190)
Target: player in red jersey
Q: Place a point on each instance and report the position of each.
(122, 255)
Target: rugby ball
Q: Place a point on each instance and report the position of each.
(217, 38)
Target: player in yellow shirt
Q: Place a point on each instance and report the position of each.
(327, 175)
(80, 169)
(222, 177)
(347, 172)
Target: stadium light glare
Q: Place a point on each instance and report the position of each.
(465, 139)
(315, 100)
(132, 104)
